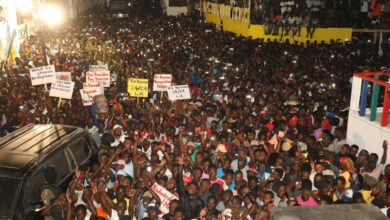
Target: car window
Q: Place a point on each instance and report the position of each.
(80, 150)
(32, 188)
(8, 190)
(60, 163)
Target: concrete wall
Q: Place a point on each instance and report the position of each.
(366, 134)
(175, 11)
(172, 11)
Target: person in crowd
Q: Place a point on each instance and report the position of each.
(265, 126)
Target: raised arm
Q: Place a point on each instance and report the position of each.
(70, 206)
(384, 155)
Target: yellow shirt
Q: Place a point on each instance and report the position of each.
(367, 196)
(346, 176)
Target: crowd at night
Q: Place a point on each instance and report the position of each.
(265, 126)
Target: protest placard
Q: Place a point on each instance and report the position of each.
(101, 76)
(93, 85)
(179, 92)
(62, 89)
(99, 67)
(161, 82)
(43, 75)
(165, 196)
(138, 87)
(88, 94)
(65, 76)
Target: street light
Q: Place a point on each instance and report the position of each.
(51, 15)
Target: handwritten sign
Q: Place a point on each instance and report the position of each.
(94, 85)
(65, 76)
(99, 67)
(165, 196)
(138, 87)
(43, 75)
(162, 82)
(179, 92)
(101, 76)
(22, 32)
(62, 89)
(88, 95)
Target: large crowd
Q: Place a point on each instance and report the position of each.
(319, 13)
(265, 126)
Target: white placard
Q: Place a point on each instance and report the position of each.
(62, 89)
(22, 32)
(43, 75)
(99, 67)
(102, 77)
(88, 94)
(161, 82)
(65, 76)
(180, 92)
(165, 196)
(94, 86)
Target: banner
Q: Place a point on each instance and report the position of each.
(179, 92)
(162, 82)
(99, 67)
(237, 20)
(101, 76)
(65, 76)
(138, 87)
(165, 196)
(22, 32)
(62, 89)
(43, 75)
(88, 95)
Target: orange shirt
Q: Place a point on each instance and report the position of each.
(101, 213)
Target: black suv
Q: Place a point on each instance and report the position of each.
(26, 152)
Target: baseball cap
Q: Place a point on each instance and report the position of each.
(328, 172)
(252, 169)
(371, 181)
(116, 126)
(121, 173)
(244, 149)
(147, 194)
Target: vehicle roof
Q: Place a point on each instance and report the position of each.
(29, 145)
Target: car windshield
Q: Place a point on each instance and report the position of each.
(8, 188)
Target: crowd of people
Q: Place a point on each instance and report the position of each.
(318, 13)
(265, 126)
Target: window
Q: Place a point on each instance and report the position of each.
(32, 188)
(8, 189)
(60, 163)
(80, 151)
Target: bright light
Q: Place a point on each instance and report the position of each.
(24, 5)
(51, 14)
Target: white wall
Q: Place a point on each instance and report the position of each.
(366, 134)
(175, 11)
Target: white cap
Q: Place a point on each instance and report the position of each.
(116, 126)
